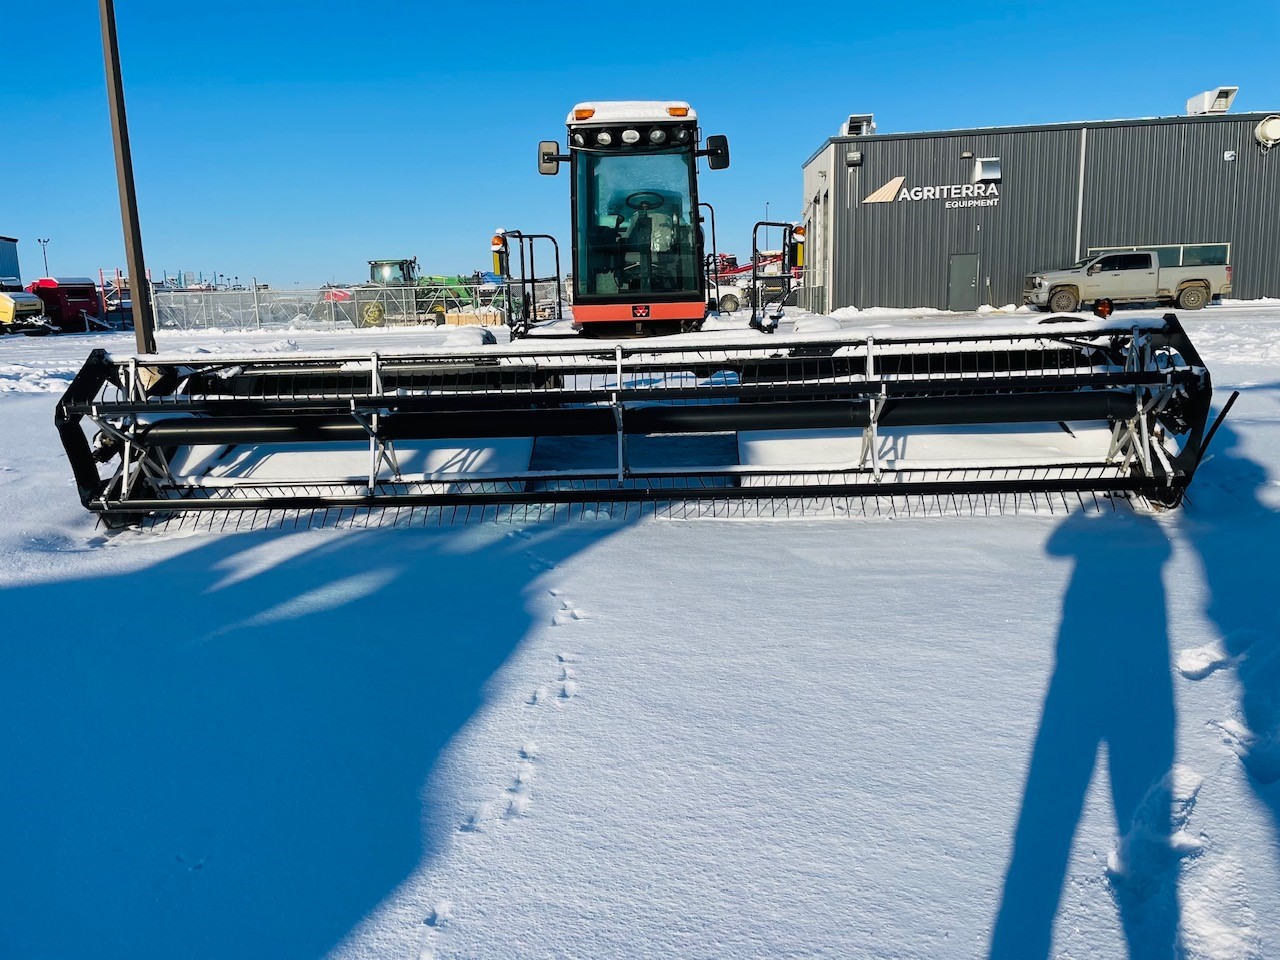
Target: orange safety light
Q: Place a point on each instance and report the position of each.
(798, 233)
(584, 113)
(678, 111)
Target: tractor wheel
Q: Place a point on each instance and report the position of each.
(373, 314)
(1192, 298)
(729, 303)
(1064, 300)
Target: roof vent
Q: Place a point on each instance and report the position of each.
(858, 125)
(1217, 100)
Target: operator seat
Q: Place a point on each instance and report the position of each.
(604, 252)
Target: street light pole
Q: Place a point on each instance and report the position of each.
(139, 289)
(44, 251)
(766, 229)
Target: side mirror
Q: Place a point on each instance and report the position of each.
(1094, 268)
(548, 158)
(717, 152)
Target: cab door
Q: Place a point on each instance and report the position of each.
(1141, 276)
(1103, 278)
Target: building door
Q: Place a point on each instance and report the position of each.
(962, 282)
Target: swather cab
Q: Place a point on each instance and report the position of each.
(638, 249)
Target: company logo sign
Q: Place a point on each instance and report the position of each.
(640, 312)
(956, 195)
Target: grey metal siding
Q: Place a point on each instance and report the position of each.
(895, 253)
(9, 258)
(1146, 182)
(1169, 183)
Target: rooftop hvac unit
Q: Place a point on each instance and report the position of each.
(858, 125)
(1217, 100)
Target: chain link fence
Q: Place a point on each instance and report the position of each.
(346, 307)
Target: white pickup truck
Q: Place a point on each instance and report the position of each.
(1121, 277)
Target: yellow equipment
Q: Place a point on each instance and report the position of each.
(20, 311)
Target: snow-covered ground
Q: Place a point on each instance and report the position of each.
(1006, 737)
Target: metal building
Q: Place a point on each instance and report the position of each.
(9, 258)
(957, 218)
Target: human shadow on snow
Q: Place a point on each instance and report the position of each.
(1236, 536)
(198, 763)
(1112, 687)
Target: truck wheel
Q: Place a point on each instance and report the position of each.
(1192, 298)
(1064, 300)
(729, 303)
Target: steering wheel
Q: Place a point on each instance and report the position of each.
(642, 201)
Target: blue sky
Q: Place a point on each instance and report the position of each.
(294, 141)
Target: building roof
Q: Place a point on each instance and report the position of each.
(1253, 116)
(10, 239)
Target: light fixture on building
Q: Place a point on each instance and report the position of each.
(853, 158)
(1228, 155)
(967, 155)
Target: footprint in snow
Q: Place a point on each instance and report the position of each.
(1197, 663)
(1145, 863)
(438, 914)
(567, 613)
(476, 822)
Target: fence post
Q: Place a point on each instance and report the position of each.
(257, 312)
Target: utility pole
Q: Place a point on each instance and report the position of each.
(139, 289)
(44, 250)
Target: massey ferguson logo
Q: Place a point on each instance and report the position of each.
(640, 313)
(956, 194)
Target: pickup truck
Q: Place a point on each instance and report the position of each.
(1121, 277)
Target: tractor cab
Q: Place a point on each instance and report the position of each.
(393, 273)
(638, 248)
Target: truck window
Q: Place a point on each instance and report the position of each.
(1135, 261)
(1109, 264)
(1206, 254)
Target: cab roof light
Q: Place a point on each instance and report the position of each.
(584, 113)
(677, 111)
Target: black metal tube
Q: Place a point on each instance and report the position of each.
(599, 421)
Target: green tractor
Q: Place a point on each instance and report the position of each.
(396, 294)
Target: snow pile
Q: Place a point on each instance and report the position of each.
(26, 378)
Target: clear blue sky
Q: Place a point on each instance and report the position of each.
(296, 140)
